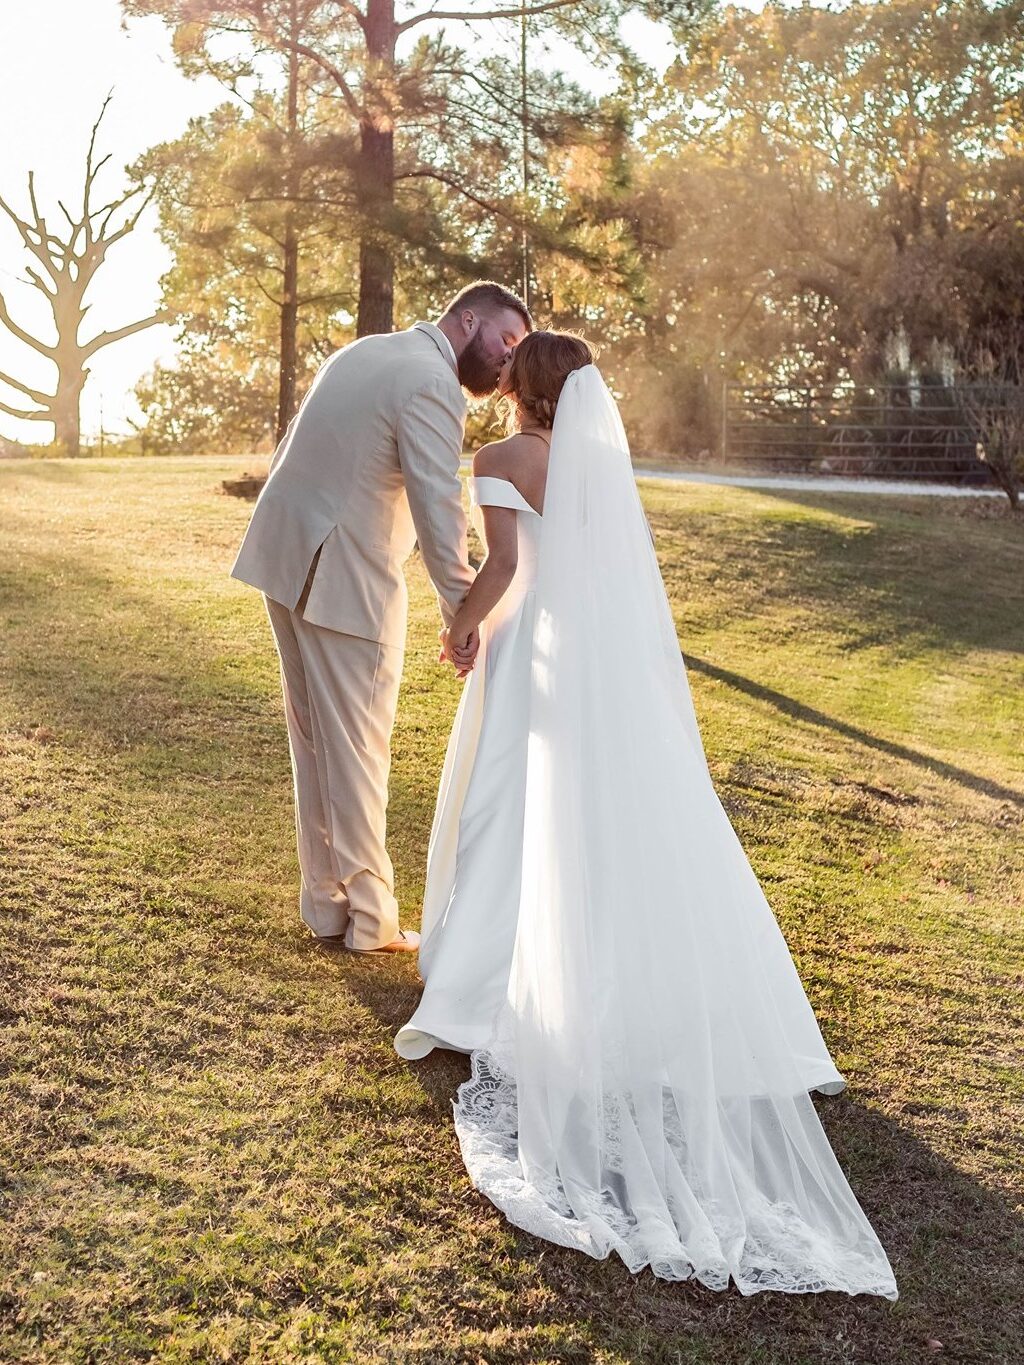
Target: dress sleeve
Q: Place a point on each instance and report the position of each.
(486, 491)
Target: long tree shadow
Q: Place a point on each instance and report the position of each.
(920, 509)
(954, 1241)
(789, 706)
(876, 574)
(124, 663)
(955, 1245)
(59, 471)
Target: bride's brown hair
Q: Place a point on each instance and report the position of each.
(541, 364)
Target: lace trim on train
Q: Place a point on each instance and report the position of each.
(779, 1250)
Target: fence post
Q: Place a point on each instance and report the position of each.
(725, 421)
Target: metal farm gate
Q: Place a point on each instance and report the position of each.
(914, 431)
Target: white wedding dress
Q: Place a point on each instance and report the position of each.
(594, 936)
(471, 901)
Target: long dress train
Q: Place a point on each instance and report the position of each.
(641, 1044)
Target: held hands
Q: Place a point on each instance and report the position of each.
(459, 648)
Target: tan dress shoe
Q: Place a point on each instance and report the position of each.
(408, 941)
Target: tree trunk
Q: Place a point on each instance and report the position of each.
(68, 316)
(66, 409)
(376, 260)
(376, 176)
(67, 427)
(290, 296)
(289, 328)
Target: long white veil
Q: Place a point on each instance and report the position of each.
(645, 1091)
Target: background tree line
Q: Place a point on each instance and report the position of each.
(806, 195)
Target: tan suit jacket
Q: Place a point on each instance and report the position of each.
(368, 466)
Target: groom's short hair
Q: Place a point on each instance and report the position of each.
(489, 294)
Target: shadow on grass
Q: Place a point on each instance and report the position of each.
(879, 575)
(390, 990)
(125, 664)
(50, 470)
(800, 711)
(116, 662)
(954, 1245)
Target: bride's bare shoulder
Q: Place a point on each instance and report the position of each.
(499, 459)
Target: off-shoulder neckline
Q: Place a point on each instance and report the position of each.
(495, 478)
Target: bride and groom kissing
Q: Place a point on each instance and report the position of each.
(593, 936)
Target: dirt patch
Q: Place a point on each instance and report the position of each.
(248, 486)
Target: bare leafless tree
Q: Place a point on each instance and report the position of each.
(67, 261)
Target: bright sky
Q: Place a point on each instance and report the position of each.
(61, 57)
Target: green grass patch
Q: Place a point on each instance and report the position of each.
(210, 1151)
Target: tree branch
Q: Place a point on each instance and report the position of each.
(37, 281)
(471, 17)
(38, 249)
(129, 329)
(75, 227)
(278, 303)
(36, 395)
(351, 103)
(353, 11)
(25, 416)
(108, 210)
(47, 240)
(453, 184)
(91, 171)
(131, 222)
(49, 351)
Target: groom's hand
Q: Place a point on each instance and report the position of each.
(460, 650)
(462, 665)
(464, 651)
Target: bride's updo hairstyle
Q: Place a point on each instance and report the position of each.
(541, 364)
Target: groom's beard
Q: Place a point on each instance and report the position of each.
(476, 373)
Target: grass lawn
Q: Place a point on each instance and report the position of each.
(210, 1151)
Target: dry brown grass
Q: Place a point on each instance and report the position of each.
(210, 1150)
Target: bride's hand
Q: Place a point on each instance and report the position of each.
(461, 648)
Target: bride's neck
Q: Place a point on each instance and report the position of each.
(522, 426)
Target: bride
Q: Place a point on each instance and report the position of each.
(593, 934)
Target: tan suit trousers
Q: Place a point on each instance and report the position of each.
(340, 696)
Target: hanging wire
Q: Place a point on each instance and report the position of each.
(524, 117)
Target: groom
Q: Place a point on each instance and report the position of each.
(369, 466)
